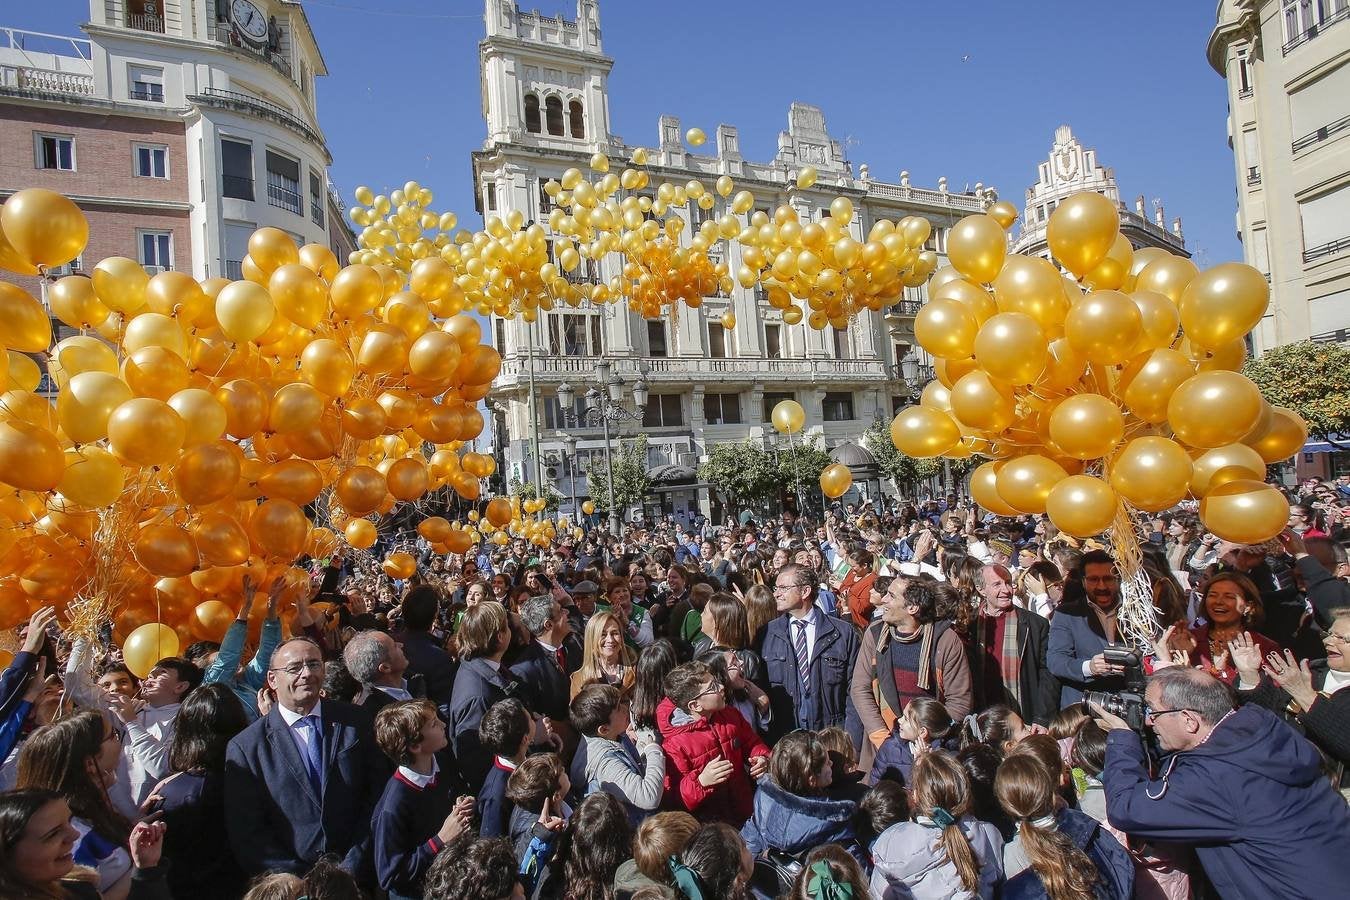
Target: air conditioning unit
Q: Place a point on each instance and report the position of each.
(155, 270)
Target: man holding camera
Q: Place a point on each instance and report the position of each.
(1239, 785)
(1082, 629)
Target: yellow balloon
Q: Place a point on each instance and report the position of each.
(155, 372)
(80, 353)
(1031, 285)
(1211, 409)
(24, 324)
(146, 431)
(93, 477)
(950, 371)
(1142, 257)
(24, 374)
(1024, 482)
(299, 294)
(147, 645)
(982, 403)
(728, 320)
(1168, 275)
(984, 489)
(1063, 366)
(976, 246)
(1153, 473)
(1285, 437)
(841, 210)
(30, 456)
(271, 248)
(203, 415)
(319, 260)
(695, 137)
(788, 417)
(1150, 379)
(120, 284)
(1087, 426)
(244, 310)
(86, 404)
(1213, 467)
(835, 480)
(1230, 356)
(921, 432)
(935, 395)
(326, 365)
(970, 295)
(1082, 230)
(1011, 347)
(946, 328)
(1222, 304)
(1104, 327)
(356, 289)
(154, 330)
(1003, 212)
(74, 302)
(1110, 274)
(806, 176)
(43, 227)
(296, 407)
(1082, 506)
(1245, 511)
(1159, 320)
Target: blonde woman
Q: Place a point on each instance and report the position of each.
(606, 659)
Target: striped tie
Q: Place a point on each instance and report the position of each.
(802, 660)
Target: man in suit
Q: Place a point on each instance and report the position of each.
(302, 781)
(542, 666)
(379, 663)
(1007, 653)
(1082, 628)
(808, 658)
(426, 656)
(481, 681)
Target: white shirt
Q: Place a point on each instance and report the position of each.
(812, 621)
(398, 693)
(1335, 681)
(145, 749)
(416, 778)
(303, 735)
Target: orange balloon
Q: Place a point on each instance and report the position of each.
(279, 528)
(210, 620)
(361, 490)
(221, 540)
(207, 473)
(434, 529)
(327, 366)
(399, 565)
(1082, 230)
(479, 366)
(145, 431)
(361, 534)
(407, 479)
(295, 407)
(1150, 379)
(498, 511)
(465, 484)
(364, 419)
(295, 480)
(946, 328)
(458, 541)
(165, 551)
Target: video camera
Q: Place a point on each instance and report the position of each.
(1128, 704)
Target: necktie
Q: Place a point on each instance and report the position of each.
(802, 659)
(561, 656)
(314, 753)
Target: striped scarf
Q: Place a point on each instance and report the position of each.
(1010, 657)
(883, 663)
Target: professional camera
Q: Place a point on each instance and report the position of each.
(1125, 704)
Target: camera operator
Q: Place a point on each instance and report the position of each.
(1241, 786)
(1082, 628)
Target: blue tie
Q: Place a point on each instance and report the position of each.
(314, 753)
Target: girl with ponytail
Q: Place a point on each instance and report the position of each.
(923, 727)
(944, 853)
(1057, 853)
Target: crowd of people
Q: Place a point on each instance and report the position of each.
(920, 701)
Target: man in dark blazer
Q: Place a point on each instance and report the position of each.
(542, 667)
(1082, 627)
(426, 655)
(302, 781)
(379, 663)
(1032, 692)
(817, 696)
(480, 682)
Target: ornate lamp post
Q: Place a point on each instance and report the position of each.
(603, 406)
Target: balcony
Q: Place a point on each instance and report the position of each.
(1322, 133)
(283, 197)
(234, 269)
(1330, 248)
(1245, 93)
(656, 370)
(250, 105)
(46, 81)
(223, 33)
(1314, 31)
(1253, 176)
(145, 22)
(905, 308)
(150, 93)
(316, 211)
(236, 187)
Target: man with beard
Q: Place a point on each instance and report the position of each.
(1082, 628)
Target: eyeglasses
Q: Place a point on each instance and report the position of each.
(1151, 714)
(1333, 636)
(779, 588)
(308, 665)
(113, 735)
(714, 687)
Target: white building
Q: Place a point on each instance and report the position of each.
(545, 101)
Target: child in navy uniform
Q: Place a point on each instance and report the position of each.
(922, 727)
(505, 733)
(414, 818)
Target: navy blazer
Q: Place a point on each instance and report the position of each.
(477, 686)
(830, 668)
(548, 689)
(428, 659)
(275, 819)
(1076, 636)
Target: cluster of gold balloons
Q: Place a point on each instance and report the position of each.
(194, 423)
(511, 268)
(1119, 383)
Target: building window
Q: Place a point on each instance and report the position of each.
(722, 409)
(773, 341)
(283, 182)
(491, 197)
(597, 336)
(156, 250)
(545, 201)
(532, 114)
(553, 413)
(772, 399)
(236, 161)
(717, 341)
(146, 83)
(316, 204)
(1326, 224)
(841, 347)
(838, 407)
(1244, 73)
(499, 333)
(663, 411)
(568, 335)
(656, 338)
(55, 151)
(577, 119)
(553, 114)
(151, 161)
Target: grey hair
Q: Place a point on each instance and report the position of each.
(1181, 687)
(363, 656)
(537, 612)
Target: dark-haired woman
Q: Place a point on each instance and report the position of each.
(192, 799)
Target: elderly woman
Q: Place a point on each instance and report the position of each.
(606, 659)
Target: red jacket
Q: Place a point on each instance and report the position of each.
(692, 745)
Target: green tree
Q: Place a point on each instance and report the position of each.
(904, 471)
(525, 491)
(743, 473)
(630, 476)
(799, 468)
(1312, 379)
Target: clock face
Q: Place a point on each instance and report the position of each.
(249, 19)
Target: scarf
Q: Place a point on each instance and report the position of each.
(1010, 656)
(925, 634)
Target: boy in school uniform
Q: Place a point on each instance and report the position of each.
(505, 732)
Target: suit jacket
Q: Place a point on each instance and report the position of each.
(477, 686)
(428, 659)
(547, 688)
(830, 668)
(276, 820)
(1075, 637)
(1039, 688)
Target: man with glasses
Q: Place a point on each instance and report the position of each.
(302, 781)
(808, 658)
(1241, 786)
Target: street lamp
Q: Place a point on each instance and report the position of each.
(570, 447)
(603, 406)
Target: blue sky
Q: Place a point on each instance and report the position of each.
(972, 91)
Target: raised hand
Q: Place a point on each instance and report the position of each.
(1162, 649)
(37, 628)
(126, 708)
(147, 844)
(1246, 656)
(1294, 676)
(274, 593)
(758, 766)
(547, 819)
(38, 683)
(458, 821)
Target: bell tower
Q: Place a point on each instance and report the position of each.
(544, 78)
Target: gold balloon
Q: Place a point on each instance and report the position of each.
(87, 403)
(245, 407)
(1142, 257)
(1082, 230)
(435, 355)
(24, 324)
(1159, 319)
(921, 432)
(244, 310)
(364, 419)
(969, 294)
(202, 413)
(210, 619)
(1031, 285)
(355, 290)
(1245, 511)
(1285, 437)
(976, 246)
(279, 528)
(1082, 506)
(788, 417)
(120, 284)
(207, 473)
(327, 366)
(155, 372)
(1222, 304)
(80, 353)
(361, 534)
(178, 294)
(361, 490)
(806, 176)
(1011, 347)
(984, 489)
(271, 248)
(1231, 356)
(1153, 473)
(292, 479)
(1150, 379)
(1087, 426)
(835, 480)
(30, 457)
(1168, 275)
(982, 403)
(1063, 366)
(950, 371)
(407, 479)
(946, 329)
(1024, 482)
(147, 645)
(1110, 274)
(587, 507)
(399, 565)
(154, 330)
(498, 512)
(1003, 212)
(166, 551)
(384, 350)
(1212, 467)
(146, 431)
(43, 227)
(1211, 409)
(93, 477)
(935, 396)
(74, 302)
(1104, 326)
(221, 540)
(295, 407)
(695, 137)
(299, 294)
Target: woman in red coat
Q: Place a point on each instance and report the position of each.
(855, 591)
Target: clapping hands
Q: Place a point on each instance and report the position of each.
(1292, 675)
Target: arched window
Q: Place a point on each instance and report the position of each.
(532, 114)
(554, 114)
(578, 118)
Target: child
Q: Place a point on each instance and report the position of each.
(505, 733)
(791, 814)
(829, 872)
(922, 727)
(714, 863)
(537, 788)
(658, 838)
(885, 804)
(846, 781)
(708, 747)
(998, 726)
(413, 820)
(600, 715)
(943, 854)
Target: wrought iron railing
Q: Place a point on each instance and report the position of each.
(153, 93)
(1321, 134)
(1330, 248)
(284, 198)
(145, 22)
(1253, 175)
(234, 269)
(1314, 30)
(248, 103)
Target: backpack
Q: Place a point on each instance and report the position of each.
(775, 873)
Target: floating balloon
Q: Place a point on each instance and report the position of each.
(1222, 304)
(43, 227)
(1082, 506)
(835, 480)
(921, 432)
(1211, 409)
(1087, 426)
(1245, 511)
(147, 645)
(788, 416)
(1153, 473)
(1082, 230)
